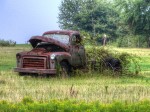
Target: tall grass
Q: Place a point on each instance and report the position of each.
(101, 88)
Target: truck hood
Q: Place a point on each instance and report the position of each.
(38, 39)
(40, 52)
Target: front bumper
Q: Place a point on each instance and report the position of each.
(33, 70)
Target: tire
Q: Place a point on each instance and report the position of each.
(27, 74)
(21, 74)
(65, 69)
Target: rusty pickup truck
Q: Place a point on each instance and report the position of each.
(55, 52)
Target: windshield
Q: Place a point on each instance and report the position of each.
(59, 37)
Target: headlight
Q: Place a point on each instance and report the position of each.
(52, 56)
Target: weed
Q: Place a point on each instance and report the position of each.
(74, 106)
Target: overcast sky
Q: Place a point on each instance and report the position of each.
(21, 19)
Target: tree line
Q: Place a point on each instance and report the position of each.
(7, 43)
(125, 22)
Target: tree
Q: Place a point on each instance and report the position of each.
(69, 9)
(89, 15)
(136, 14)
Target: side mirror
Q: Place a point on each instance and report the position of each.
(73, 40)
(76, 40)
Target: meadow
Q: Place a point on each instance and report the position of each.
(82, 87)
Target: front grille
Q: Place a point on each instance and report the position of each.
(34, 62)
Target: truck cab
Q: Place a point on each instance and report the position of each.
(52, 53)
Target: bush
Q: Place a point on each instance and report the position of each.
(74, 106)
(108, 61)
(132, 41)
(6, 43)
(86, 38)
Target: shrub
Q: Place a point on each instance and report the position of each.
(132, 41)
(108, 61)
(7, 43)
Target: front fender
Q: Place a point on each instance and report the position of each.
(63, 56)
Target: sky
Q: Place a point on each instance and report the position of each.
(21, 19)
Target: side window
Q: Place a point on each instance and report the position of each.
(76, 39)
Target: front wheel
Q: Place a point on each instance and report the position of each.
(65, 69)
(22, 74)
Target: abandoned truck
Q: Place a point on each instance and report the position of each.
(53, 52)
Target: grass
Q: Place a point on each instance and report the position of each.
(8, 56)
(143, 54)
(29, 105)
(104, 89)
(87, 87)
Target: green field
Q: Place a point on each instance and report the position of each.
(85, 87)
(29, 105)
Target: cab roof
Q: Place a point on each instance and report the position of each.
(67, 32)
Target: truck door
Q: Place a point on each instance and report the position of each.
(77, 51)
